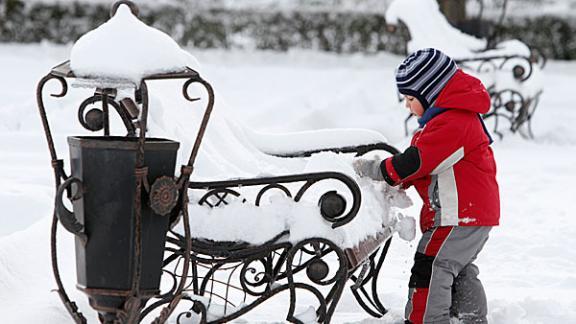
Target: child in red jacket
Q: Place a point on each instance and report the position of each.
(451, 165)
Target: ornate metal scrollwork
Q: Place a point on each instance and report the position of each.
(220, 196)
(513, 107)
(248, 277)
(95, 119)
(67, 218)
(520, 66)
(222, 192)
(256, 273)
(269, 187)
(196, 308)
(236, 277)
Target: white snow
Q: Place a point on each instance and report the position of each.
(285, 143)
(429, 28)
(307, 316)
(406, 227)
(125, 48)
(526, 266)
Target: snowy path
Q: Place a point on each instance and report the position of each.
(527, 266)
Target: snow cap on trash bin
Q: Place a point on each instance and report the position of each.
(424, 73)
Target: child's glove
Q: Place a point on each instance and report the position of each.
(368, 168)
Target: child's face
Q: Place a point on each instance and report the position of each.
(414, 105)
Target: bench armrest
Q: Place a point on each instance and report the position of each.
(333, 206)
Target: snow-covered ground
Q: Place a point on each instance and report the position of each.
(527, 266)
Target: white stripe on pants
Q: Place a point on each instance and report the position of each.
(454, 288)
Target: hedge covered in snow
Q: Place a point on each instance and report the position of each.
(334, 31)
(555, 36)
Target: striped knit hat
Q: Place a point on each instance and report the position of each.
(424, 74)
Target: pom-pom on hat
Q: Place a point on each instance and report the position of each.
(424, 73)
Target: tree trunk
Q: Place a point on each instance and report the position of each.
(454, 10)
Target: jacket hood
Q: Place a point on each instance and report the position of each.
(465, 92)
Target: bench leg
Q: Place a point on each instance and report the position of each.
(366, 291)
(337, 281)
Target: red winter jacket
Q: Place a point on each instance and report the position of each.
(450, 161)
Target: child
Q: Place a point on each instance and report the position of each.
(451, 165)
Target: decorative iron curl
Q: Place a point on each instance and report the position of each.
(309, 180)
(336, 220)
(220, 194)
(209, 107)
(59, 175)
(270, 187)
(339, 279)
(486, 66)
(185, 87)
(319, 255)
(164, 300)
(304, 260)
(261, 278)
(64, 90)
(96, 125)
(537, 56)
(197, 307)
(521, 72)
(42, 107)
(508, 104)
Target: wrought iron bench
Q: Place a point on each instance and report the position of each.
(239, 276)
(508, 69)
(510, 103)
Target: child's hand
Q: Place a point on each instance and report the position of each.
(368, 168)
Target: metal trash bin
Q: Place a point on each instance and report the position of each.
(103, 190)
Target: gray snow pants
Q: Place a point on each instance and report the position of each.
(444, 280)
